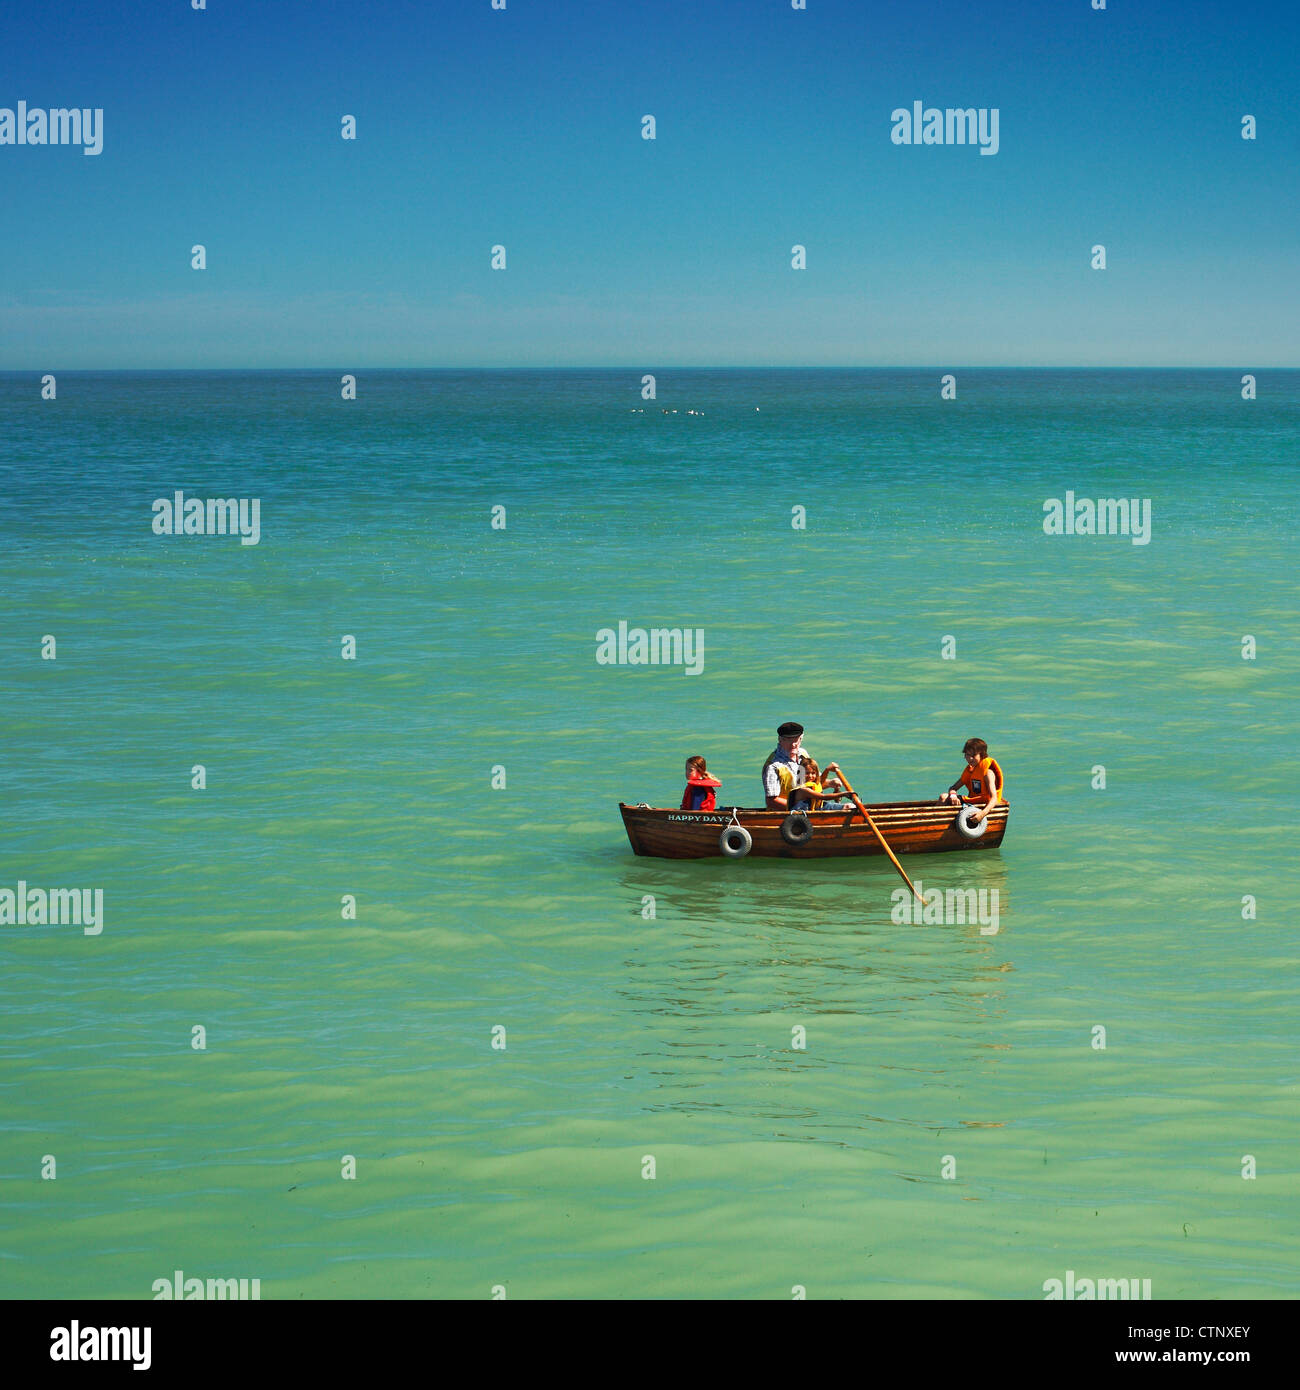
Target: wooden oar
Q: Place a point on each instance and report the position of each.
(875, 829)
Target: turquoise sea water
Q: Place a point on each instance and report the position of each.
(522, 907)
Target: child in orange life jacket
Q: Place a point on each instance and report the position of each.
(698, 795)
(983, 777)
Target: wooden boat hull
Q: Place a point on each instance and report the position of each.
(911, 827)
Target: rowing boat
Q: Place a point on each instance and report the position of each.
(910, 827)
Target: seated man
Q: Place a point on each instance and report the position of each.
(782, 772)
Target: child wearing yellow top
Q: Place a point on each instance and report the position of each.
(811, 793)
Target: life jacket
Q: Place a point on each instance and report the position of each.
(785, 775)
(796, 801)
(977, 779)
(698, 795)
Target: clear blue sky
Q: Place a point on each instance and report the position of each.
(522, 127)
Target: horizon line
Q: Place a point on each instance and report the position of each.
(791, 367)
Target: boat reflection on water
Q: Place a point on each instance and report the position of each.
(845, 894)
(901, 1022)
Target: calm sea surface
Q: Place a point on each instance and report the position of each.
(1121, 908)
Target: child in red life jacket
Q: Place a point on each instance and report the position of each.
(698, 795)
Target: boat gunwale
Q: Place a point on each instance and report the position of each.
(837, 812)
(922, 827)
